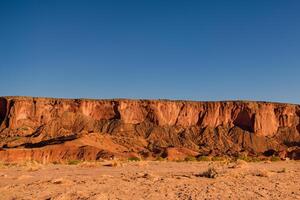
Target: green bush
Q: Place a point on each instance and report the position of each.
(245, 158)
(190, 158)
(217, 158)
(275, 158)
(179, 160)
(73, 162)
(134, 159)
(204, 158)
(256, 159)
(160, 158)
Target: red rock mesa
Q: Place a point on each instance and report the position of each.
(48, 129)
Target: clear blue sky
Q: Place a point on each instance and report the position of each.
(198, 50)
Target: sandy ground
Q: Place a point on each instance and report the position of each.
(152, 180)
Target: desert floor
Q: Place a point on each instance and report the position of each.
(152, 180)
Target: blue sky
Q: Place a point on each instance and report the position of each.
(194, 50)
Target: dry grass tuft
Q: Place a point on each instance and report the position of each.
(159, 158)
(204, 158)
(141, 164)
(89, 164)
(134, 159)
(239, 164)
(190, 158)
(210, 173)
(3, 165)
(218, 158)
(112, 163)
(73, 162)
(29, 166)
(275, 159)
(261, 173)
(283, 170)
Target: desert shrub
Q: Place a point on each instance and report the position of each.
(244, 158)
(217, 158)
(134, 159)
(203, 158)
(55, 162)
(159, 158)
(210, 173)
(261, 173)
(30, 165)
(238, 164)
(256, 159)
(190, 158)
(112, 164)
(89, 164)
(179, 160)
(24, 128)
(283, 170)
(73, 162)
(3, 165)
(249, 159)
(275, 158)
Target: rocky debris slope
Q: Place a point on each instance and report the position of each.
(59, 129)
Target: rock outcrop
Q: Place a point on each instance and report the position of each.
(59, 129)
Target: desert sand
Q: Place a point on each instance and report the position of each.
(107, 135)
(151, 180)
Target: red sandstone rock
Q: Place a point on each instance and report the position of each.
(147, 127)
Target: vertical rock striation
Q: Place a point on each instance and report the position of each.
(148, 128)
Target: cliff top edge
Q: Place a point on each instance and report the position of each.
(153, 100)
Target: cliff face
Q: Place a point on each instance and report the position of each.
(54, 129)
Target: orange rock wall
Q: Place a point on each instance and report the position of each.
(261, 118)
(62, 129)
